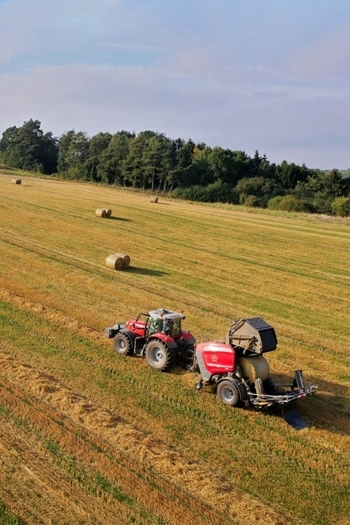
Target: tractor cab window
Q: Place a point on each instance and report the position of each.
(175, 327)
(170, 327)
(152, 325)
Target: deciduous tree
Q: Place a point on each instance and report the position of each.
(28, 148)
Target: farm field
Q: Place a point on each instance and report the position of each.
(91, 437)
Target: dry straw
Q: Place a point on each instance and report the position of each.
(126, 259)
(254, 367)
(115, 261)
(154, 199)
(108, 212)
(16, 181)
(101, 212)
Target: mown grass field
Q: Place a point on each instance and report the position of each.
(88, 436)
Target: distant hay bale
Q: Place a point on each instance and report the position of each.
(126, 259)
(254, 367)
(154, 199)
(101, 212)
(16, 181)
(115, 262)
(108, 212)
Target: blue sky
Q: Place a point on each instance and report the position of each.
(272, 75)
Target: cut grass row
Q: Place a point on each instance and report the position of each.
(178, 500)
(99, 470)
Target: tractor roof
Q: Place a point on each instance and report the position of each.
(162, 313)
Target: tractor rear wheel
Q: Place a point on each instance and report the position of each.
(122, 344)
(228, 393)
(159, 355)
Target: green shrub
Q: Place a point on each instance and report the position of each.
(289, 203)
(194, 193)
(259, 187)
(220, 192)
(250, 200)
(215, 192)
(273, 204)
(322, 203)
(341, 206)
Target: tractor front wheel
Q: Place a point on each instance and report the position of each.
(228, 393)
(159, 355)
(122, 344)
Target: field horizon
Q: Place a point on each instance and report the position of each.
(89, 436)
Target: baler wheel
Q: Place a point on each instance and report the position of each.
(159, 355)
(122, 344)
(228, 393)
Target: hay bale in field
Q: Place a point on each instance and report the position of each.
(108, 212)
(154, 199)
(115, 261)
(254, 367)
(126, 259)
(16, 181)
(101, 212)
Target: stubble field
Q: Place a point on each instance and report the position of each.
(91, 437)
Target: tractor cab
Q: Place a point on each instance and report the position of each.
(164, 321)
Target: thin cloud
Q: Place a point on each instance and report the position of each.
(104, 98)
(326, 58)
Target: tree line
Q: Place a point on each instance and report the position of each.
(152, 161)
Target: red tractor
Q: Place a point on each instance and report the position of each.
(158, 336)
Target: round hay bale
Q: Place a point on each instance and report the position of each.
(126, 259)
(16, 181)
(101, 212)
(108, 212)
(115, 262)
(254, 367)
(154, 199)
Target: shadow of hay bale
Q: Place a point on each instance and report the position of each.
(147, 271)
